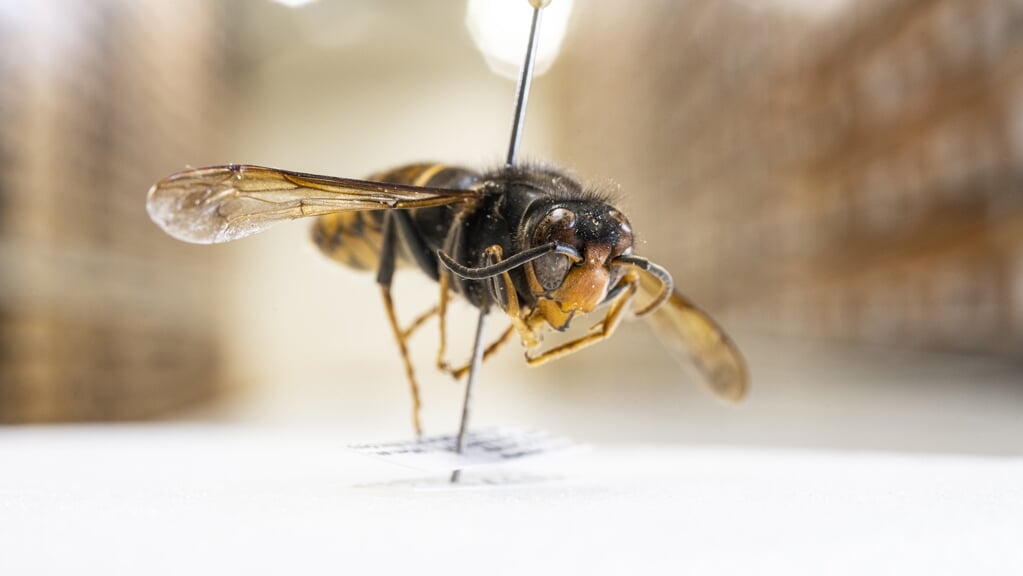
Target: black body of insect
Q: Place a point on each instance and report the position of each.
(529, 240)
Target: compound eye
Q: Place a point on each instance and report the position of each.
(559, 220)
(624, 243)
(558, 225)
(550, 270)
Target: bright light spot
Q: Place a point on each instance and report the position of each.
(294, 3)
(500, 29)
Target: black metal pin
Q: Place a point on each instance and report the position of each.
(521, 99)
(474, 367)
(525, 79)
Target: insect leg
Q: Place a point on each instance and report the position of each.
(603, 330)
(385, 274)
(509, 302)
(458, 373)
(442, 321)
(418, 322)
(414, 244)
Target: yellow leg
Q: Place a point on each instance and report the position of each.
(601, 331)
(409, 371)
(526, 333)
(496, 345)
(418, 322)
(442, 363)
(442, 322)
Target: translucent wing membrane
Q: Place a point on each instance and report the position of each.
(224, 203)
(698, 342)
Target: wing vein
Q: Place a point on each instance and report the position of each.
(224, 203)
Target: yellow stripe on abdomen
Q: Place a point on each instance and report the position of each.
(350, 238)
(354, 238)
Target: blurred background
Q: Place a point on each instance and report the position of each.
(840, 183)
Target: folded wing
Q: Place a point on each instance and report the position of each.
(225, 203)
(697, 342)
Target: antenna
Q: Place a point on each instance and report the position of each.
(525, 78)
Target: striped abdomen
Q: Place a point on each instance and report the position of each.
(355, 238)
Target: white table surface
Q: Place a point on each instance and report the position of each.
(218, 499)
